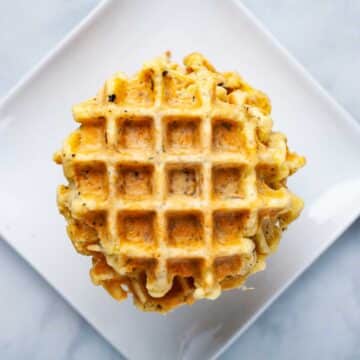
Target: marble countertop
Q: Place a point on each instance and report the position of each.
(36, 323)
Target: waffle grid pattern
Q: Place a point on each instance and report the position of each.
(176, 189)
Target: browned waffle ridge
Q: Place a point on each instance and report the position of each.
(177, 183)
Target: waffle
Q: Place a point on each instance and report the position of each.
(176, 183)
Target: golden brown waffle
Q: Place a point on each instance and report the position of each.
(177, 183)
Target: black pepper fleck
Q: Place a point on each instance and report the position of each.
(164, 73)
(111, 98)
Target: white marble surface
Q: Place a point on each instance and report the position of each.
(318, 317)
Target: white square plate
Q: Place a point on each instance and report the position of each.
(36, 116)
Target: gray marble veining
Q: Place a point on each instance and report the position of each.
(318, 317)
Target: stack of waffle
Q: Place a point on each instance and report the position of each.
(177, 183)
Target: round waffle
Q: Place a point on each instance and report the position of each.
(177, 183)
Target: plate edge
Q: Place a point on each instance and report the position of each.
(351, 121)
(54, 51)
(283, 288)
(298, 67)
